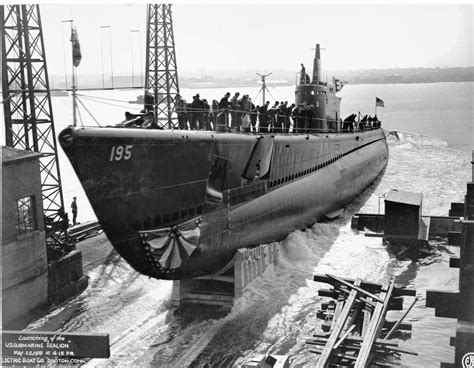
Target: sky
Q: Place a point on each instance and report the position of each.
(265, 36)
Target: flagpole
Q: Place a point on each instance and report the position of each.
(74, 104)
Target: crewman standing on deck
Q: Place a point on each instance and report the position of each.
(303, 74)
(223, 106)
(235, 115)
(180, 104)
(74, 210)
(263, 118)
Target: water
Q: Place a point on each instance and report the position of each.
(278, 311)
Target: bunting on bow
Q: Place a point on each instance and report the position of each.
(171, 246)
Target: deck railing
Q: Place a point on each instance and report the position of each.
(230, 120)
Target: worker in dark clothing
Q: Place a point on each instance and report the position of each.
(348, 124)
(263, 118)
(197, 112)
(288, 113)
(235, 113)
(280, 119)
(64, 222)
(272, 115)
(303, 75)
(224, 105)
(246, 108)
(74, 210)
(253, 118)
(298, 119)
(310, 125)
(149, 102)
(189, 115)
(214, 110)
(363, 123)
(377, 122)
(205, 115)
(180, 104)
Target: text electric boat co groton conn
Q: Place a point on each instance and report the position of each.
(178, 204)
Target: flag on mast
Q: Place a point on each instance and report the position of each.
(378, 102)
(76, 47)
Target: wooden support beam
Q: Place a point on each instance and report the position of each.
(400, 350)
(454, 262)
(368, 301)
(328, 351)
(402, 326)
(454, 237)
(374, 235)
(330, 293)
(395, 303)
(446, 303)
(366, 320)
(368, 285)
(337, 310)
(343, 337)
(401, 319)
(339, 355)
(355, 287)
(379, 363)
(375, 326)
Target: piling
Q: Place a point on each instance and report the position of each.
(460, 303)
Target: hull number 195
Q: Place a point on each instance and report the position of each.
(119, 153)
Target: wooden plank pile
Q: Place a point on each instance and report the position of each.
(356, 332)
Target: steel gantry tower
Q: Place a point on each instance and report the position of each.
(161, 80)
(27, 106)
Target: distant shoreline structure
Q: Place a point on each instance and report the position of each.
(235, 79)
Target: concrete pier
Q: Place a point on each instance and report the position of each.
(460, 303)
(248, 265)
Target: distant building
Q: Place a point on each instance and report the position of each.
(24, 259)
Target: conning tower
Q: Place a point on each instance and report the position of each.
(314, 93)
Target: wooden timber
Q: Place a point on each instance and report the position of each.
(355, 323)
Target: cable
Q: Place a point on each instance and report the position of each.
(101, 98)
(92, 116)
(80, 117)
(106, 103)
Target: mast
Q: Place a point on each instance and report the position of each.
(317, 66)
(264, 86)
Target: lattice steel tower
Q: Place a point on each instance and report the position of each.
(161, 80)
(27, 106)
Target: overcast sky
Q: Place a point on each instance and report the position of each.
(266, 36)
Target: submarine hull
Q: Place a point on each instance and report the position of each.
(208, 194)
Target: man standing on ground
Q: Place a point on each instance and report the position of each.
(74, 210)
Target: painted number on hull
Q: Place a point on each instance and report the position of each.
(119, 153)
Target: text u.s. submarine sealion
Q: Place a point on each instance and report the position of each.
(178, 204)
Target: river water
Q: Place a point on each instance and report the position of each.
(278, 311)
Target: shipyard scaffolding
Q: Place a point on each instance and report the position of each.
(161, 81)
(29, 123)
